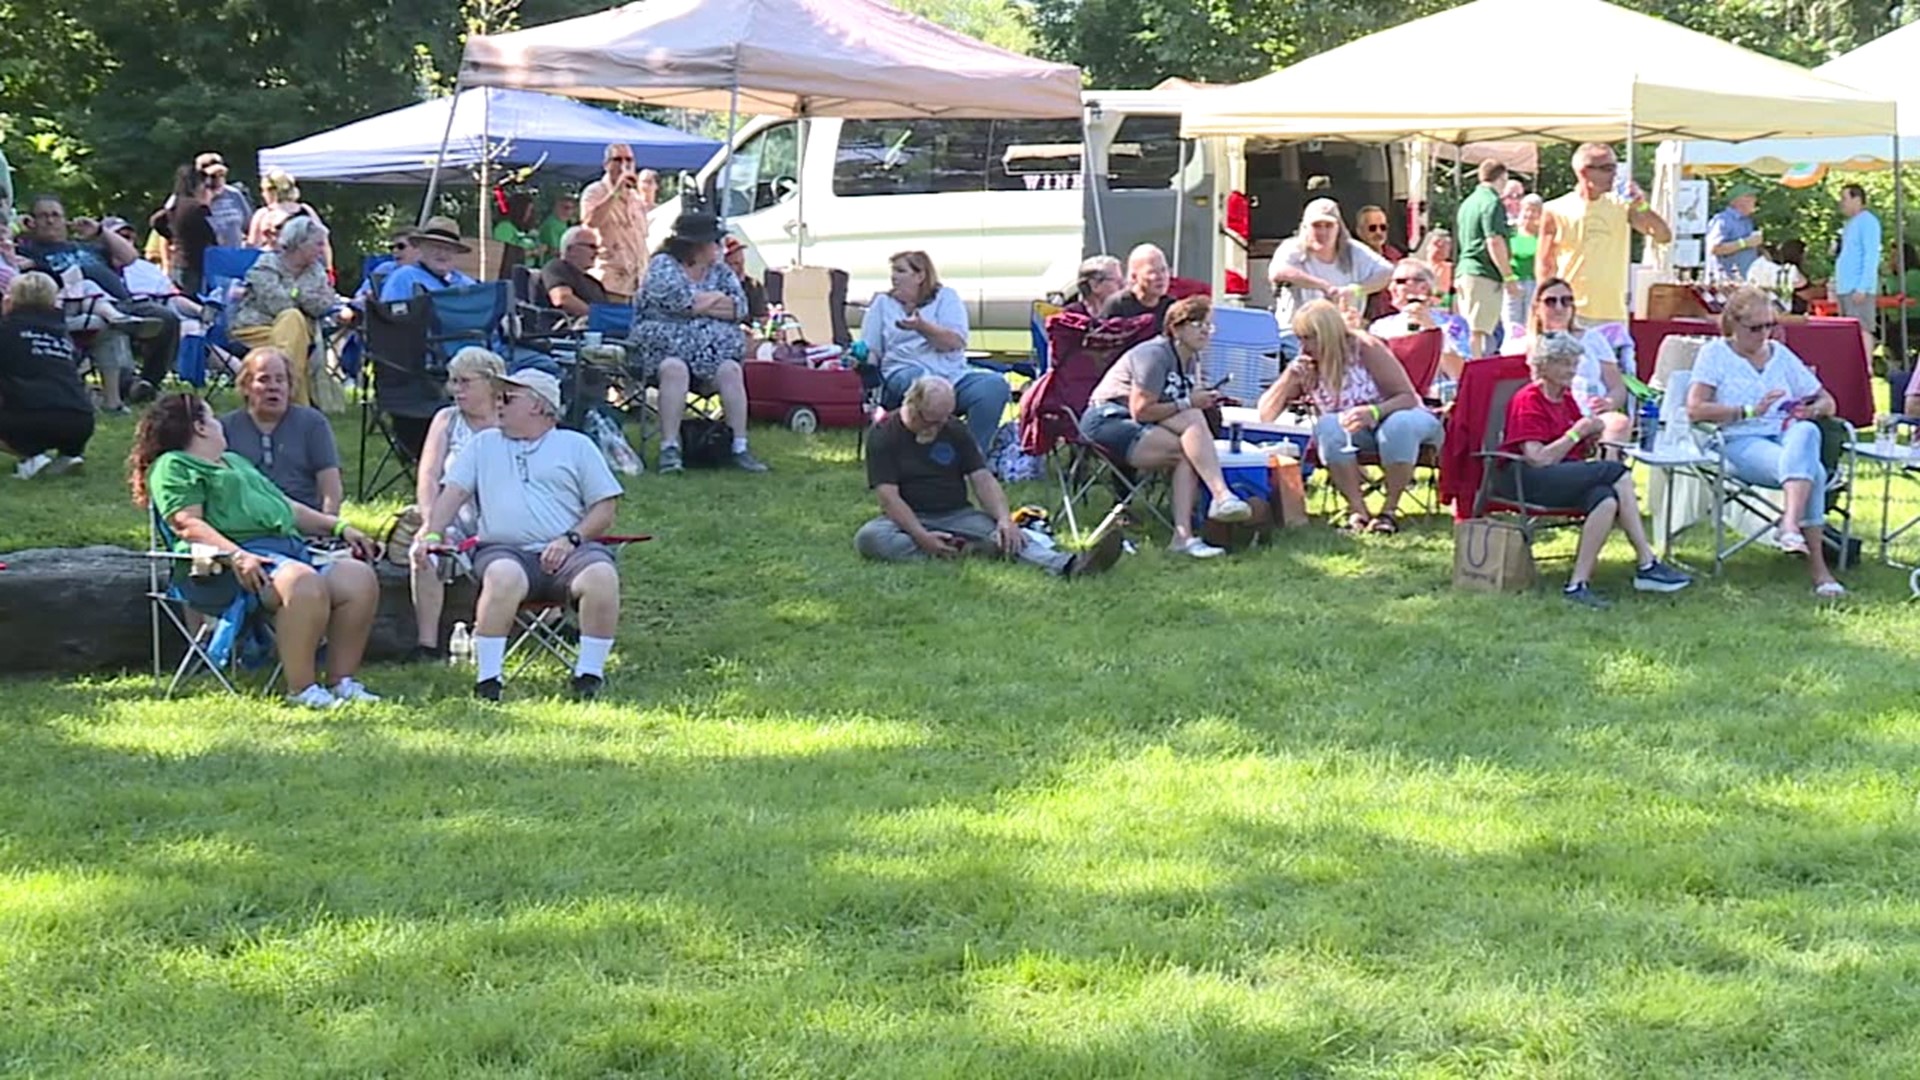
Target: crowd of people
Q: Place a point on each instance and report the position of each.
(509, 496)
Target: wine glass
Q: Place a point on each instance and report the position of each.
(1349, 448)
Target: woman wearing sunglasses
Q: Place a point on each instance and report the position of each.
(1597, 386)
(1767, 404)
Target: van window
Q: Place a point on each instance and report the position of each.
(910, 157)
(1034, 155)
(1144, 154)
(764, 169)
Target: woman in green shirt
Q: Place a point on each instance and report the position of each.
(1524, 245)
(181, 468)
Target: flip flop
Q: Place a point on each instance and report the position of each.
(1384, 524)
(1357, 524)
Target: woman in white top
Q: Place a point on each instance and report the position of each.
(919, 327)
(1767, 402)
(1322, 259)
(473, 378)
(1597, 386)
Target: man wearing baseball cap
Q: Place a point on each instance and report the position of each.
(230, 210)
(543, 494)
(1733, 240)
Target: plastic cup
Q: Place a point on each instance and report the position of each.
(592, 338)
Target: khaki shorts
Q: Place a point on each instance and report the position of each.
(1479, 299)
(1866, 310)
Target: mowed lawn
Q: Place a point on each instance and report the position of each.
(1304, 812)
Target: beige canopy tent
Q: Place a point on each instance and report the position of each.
(1620, 75)
(851, 58)
(800, 58)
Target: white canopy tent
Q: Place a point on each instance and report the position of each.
(1639, 77)
(798, 58)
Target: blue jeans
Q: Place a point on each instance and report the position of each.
(980, 396)
(1397, 439)
(1772, 460)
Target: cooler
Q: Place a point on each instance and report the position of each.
(1246, 472)
(1295, 429)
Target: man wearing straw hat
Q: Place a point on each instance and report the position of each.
(438, 242)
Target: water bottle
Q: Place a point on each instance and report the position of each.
(1649, 424)
(1235, 432)
(1883, 436)
(460, 646)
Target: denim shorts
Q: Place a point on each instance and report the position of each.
(1110, 425)
(213, 594)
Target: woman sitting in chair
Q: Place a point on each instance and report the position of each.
(287, 289)
(686, 333)
(1149, 413)
(1597, 386)
(1366, 403)
(180, 466)
(919, 327)
(1767, 403)
(473, 377)
(1553, 437)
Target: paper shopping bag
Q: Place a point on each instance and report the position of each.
(1491, 556)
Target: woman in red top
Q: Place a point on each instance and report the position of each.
(1545, 428)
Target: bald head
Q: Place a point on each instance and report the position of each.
(1147, 275)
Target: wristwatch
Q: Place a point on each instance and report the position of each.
(575, 539)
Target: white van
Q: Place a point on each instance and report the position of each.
(999, 205)
(1004, 209)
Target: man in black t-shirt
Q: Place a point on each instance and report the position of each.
(921, 464)
(565, 281)
(1146, 291)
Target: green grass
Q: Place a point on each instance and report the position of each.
(1307, 812)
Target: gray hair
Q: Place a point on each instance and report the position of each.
(1419, 266)
(298, 232)
(474, 360)
(573, 235)
(1532, 198)
(1555, 345)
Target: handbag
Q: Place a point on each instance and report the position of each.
(705, 443)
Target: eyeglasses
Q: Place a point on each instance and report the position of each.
(1373, 228)
(628, 160)
(1557, 301)
(1756, 328)
(1409, 281)
(1609, 166)
(1203, 327)
(588, 244)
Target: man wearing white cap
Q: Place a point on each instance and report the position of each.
(543, 493)
(230, 210)
(614, 207)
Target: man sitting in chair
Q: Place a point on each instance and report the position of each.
(1411, 291)
(544, 493)
(564, 281)
(292, 444)
(438, 243)
(920, 463)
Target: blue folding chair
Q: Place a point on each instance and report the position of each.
(226, 641)
(613, 320)
(468, 315)
(224, 273)
(1247, 351)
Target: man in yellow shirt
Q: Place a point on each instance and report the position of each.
(1584, 236)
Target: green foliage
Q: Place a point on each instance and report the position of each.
(1301, 813)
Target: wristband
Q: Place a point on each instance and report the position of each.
(431, 538)
(1639, 207)
(1573, 435)
(1375, 409)
(1746, 412)
(339, 526)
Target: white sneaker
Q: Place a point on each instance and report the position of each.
(1231, 508)
(314, 697)
(30, 467)
(1197, 548)
(64, 464)
(349, 691)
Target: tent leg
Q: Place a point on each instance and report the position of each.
(486, 186)
(1630, 182)
(1900, 256)
(1179, 205)
(800, 194)
(726, 163)
(440, 160)
(1088, 182)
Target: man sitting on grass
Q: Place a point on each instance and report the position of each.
(920, 463)
(544, 493)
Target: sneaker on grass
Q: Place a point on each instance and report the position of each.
(1231, 508)
(1196, 548)
(315, 697)
(1583, 595)
(1657, 576)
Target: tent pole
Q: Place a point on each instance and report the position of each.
(440, 160)
(726, 163)
(800, 191)
(486, 184)
(1630, 182)
(1900, 258)
(1087, 180)
(1179, 205)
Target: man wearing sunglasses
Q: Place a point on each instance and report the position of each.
(613, 208)
(1586, 236)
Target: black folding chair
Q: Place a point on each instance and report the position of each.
(404, 385)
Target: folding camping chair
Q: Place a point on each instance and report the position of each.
(817, 297)
(545, 627)
(1530, 516)
(1037, 331)
(403, 385)
(222, 643)
(1246, 351)
(1082, 349)
(469, 315)
(211, 357)
(1419, 354)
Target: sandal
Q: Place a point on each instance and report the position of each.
(1829, 590)
(1357, 523)
(1384, 524)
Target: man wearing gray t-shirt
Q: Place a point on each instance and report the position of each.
(544, 493)
(292, 444)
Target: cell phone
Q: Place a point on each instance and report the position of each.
(1224, 380)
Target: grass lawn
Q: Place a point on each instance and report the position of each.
(1307, 812)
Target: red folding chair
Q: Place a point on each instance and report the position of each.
(1419, 354)
(1471, 455)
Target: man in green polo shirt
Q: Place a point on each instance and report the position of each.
(1485, 267)
(560, 218)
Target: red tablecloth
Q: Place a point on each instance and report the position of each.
(1831, 347)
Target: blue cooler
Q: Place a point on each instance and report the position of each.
(1246, 472)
